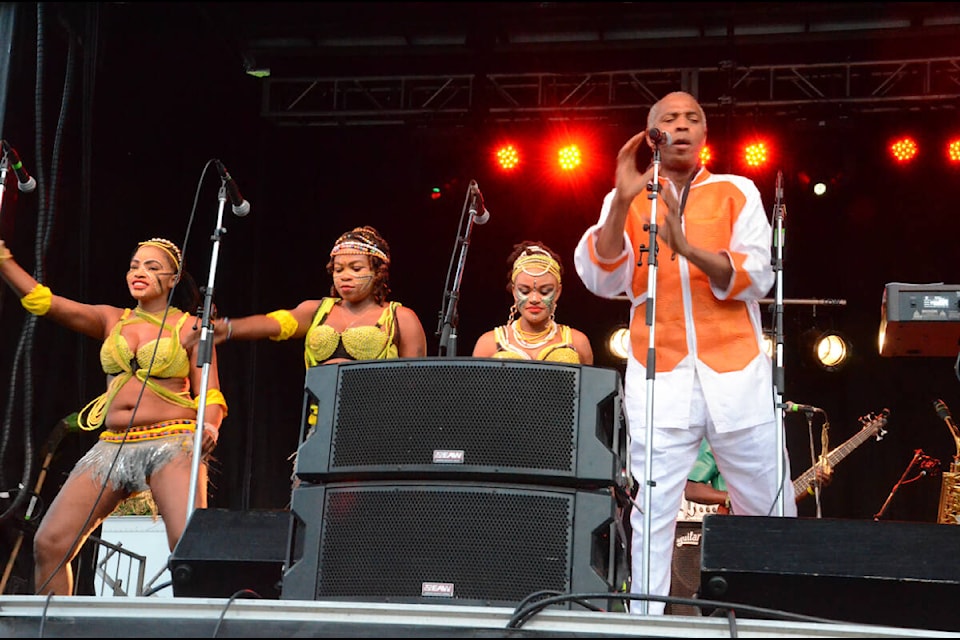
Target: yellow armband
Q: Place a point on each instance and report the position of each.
(811, 491)
(214, 396)
(4, 253)
(288, 324)
(38, 300)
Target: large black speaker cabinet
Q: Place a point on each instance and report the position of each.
(222, 552)
(902, 574)
(464, 419)
(443, 543)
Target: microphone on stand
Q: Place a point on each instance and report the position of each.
(240, 206)
(25, 182)
(802, 408)
(659, 138)
(476, 204)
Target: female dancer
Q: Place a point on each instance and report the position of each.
(534, 281)
(356, 322)
(148, 412)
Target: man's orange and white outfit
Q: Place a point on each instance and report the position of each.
(712, 378)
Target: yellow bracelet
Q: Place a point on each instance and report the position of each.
(38, 300)
(214, 396)
(5, 255)
(288, 324)
(810, 490)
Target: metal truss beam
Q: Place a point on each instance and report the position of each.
(724, 90)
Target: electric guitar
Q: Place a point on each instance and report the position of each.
(873, 425)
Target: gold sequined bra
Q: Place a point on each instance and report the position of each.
(118, 360)
(171, 361)
(324, 343)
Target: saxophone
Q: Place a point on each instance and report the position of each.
(950, 487)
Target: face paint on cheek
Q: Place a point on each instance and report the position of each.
(550, 300)
(522, 300)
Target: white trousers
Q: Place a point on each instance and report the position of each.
(747, 460)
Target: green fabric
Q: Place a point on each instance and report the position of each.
(705, 469)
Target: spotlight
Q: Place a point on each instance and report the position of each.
(618, 344)
(769, 345)
(819, 188)
(831, 350)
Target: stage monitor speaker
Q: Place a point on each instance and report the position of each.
(685, 572)
(463, 544)
(901, 574)
(463, 419)
(222, 552)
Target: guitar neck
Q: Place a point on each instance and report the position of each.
(806, 478)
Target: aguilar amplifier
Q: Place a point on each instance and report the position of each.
(920, 320)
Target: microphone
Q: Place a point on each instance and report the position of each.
(476, 204)
(660, 138)
(240, 206)
(779, 188)
(25, 182)
(803, 408)
(941, 408)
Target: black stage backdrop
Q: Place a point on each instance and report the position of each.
(155, 92)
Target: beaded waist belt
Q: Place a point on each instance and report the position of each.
(150, 431)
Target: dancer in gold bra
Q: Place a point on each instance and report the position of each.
(356, 322)
(535, 283)
(148, 414)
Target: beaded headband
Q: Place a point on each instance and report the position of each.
(358, 248)
(535, 261)
(171, 249)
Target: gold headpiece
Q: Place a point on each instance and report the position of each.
(172, 250)
(535, 261)
(357, 247)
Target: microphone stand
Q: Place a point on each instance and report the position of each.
(814, 459)
(205, 350)
(917, 456)
(449, 319)
(779, 213)
(652, 262)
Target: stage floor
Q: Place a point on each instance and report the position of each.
(93, 616)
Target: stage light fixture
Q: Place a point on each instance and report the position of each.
(507, 157)
(569, 157)
(819, 188)
(953, 151)
(756, 155)
(904, 149)
(769, 344)
(618, 343)
(830, 350)
(706, 155)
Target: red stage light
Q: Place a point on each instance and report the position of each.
(953, 151)
(904, 150)
(756, 155)
(705, 155)
(569, 157)
(507, 157)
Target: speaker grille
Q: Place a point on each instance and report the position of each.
(463, 416)
(426, 408)
(442, 543)
(435, 549)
